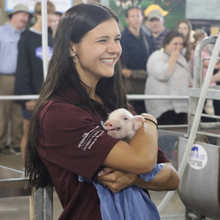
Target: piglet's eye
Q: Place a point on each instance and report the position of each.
(125, 118)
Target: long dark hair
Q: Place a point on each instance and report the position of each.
(187, 40)
(73, 26)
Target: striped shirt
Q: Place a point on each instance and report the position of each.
(158, 41)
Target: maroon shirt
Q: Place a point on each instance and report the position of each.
(72, 143)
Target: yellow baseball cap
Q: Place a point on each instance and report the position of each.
(154, 7)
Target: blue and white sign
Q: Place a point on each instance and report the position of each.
(61, 5)
(198, 157)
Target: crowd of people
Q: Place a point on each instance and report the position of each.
(60, 134)
(159, 61)
(21, 70)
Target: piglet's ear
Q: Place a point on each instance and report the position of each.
(137, 122)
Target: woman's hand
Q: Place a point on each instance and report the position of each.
(116, 180)
(175, 54)
(126, 73)
(167, 179)
(30, 105)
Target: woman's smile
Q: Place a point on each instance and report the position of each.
(108, 61)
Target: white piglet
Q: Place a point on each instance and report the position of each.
(121, 124)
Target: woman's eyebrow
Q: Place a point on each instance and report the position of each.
(106, 36)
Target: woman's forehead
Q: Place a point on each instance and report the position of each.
(106, 28)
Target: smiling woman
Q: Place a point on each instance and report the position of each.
(66, 139)
(97, 53)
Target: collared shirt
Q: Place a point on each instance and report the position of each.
(158, 41)
(146, 30)
(9, 38)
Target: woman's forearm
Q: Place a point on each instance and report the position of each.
(147, 134)
(166, 179)
(171, 64)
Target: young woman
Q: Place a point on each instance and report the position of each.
(185, 28)
(168, 74)
(66, 138)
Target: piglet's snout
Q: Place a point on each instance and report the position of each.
(108, 125)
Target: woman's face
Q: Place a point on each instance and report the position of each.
(98, 52)
(54, 21)
(175, 44)
(183, 29)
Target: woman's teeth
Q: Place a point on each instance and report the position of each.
(107, 60)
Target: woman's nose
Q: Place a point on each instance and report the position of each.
(114, 47)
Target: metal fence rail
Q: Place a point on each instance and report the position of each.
(130, 97)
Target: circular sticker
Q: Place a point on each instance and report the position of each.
(198, 157)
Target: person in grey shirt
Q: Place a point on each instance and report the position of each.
(9, 111)
(168, 74)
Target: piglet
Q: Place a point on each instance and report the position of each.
(121, 124)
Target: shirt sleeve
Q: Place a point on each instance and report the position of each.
(161, 157)
(72, 139)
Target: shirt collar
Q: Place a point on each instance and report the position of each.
(130, 33)
(13, 30)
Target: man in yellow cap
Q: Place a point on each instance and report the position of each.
(154, 7)
(154, 24)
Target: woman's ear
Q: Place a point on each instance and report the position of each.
(72, 49)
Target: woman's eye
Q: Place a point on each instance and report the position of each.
(125, 118)
(118, 39)
(102, 41)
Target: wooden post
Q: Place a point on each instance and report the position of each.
(31, 204)
(4, 15)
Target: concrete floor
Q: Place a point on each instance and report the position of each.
(17, 208)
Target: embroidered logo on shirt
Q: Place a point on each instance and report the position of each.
(89, 138)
